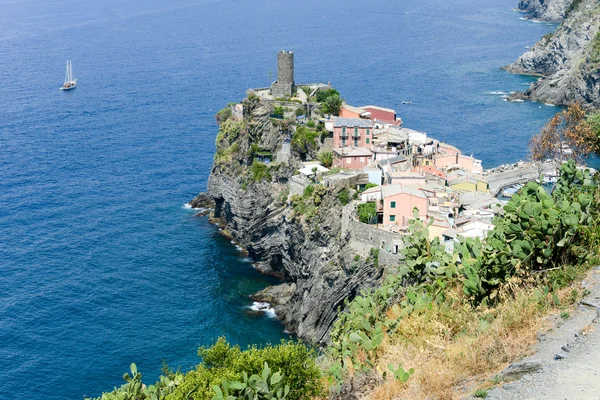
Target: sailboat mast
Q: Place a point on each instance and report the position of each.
(67, 73)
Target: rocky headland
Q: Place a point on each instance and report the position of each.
(545, 10)
(309, 249)
(567, 61)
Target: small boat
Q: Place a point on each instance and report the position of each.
(408, 103)
(70, 82)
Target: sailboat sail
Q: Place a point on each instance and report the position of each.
(70, 82)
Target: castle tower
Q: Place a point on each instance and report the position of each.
(284, 85)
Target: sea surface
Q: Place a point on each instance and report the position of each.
(100, 262)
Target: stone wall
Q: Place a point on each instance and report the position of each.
(365, 237)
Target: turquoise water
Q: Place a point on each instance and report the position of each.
(100, 263)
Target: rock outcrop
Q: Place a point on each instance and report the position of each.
(567, 61)
(545, 10)
(310, 253)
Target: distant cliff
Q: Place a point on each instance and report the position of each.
(545, 10)
(299, 238)
(567, 61)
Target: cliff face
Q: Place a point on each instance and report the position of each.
(312, 254)
(545, 10)
(567, 61)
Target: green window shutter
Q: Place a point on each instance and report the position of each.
(343, 130)
(368, 140)
(392, 218)
(393, 204)
(368, 132)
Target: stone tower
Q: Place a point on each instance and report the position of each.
(284, 85)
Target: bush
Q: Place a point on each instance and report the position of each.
(225, 362)
(324, 94)
(259, 171)
(278, 111)
(367, 213)
(344, 197)
(311, 124)
(304, 141)
(326, 158)
(300, 111)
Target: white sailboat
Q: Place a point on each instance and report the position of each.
(70, 82)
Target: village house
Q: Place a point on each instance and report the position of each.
(351, 157)
(475, 229)
(393, 164)
(430, 170)
(375, 174)
(371, 195)
(399, 202)
(347, 179)
(371, 112)
(404, 178)
(348, 111)
(449, 161)
(464, 181)
(390, 142)
(354, 132)
(382, 114)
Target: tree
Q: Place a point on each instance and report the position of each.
(367, 213)
(326, 158)
(332, 104)
(569, 134)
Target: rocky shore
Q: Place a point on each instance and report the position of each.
(545, 10)
(313, 257)
(566, 61)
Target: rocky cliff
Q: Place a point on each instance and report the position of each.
(545, 10)
(567, 61)
(297, 238)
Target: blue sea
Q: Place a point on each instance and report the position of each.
(100, 262)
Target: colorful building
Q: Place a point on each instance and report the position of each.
(354, 132)
(399, 201)
(351, 157)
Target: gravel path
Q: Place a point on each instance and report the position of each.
(566, 364)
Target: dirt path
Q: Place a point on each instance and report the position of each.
(566, 364)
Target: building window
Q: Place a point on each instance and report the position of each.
(392, 218)
(343, 131)
(393, 204)
(368, 140)
(356, 131)
(355, 141)
(368, 132)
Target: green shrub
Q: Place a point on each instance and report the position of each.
(344, 197)
(311, 124)
(300, 111)
(224, 114)
(367, 213)
(259, 171)
(225, 362)
(303, 140)
(278, 111)
(326, 158)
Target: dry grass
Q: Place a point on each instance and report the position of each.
(454, 348)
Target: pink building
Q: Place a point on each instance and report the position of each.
(399, 202)
(354, 132)
(351, 157)
(467, 163)
(382, 114)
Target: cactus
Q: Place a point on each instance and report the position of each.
(400, 374)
